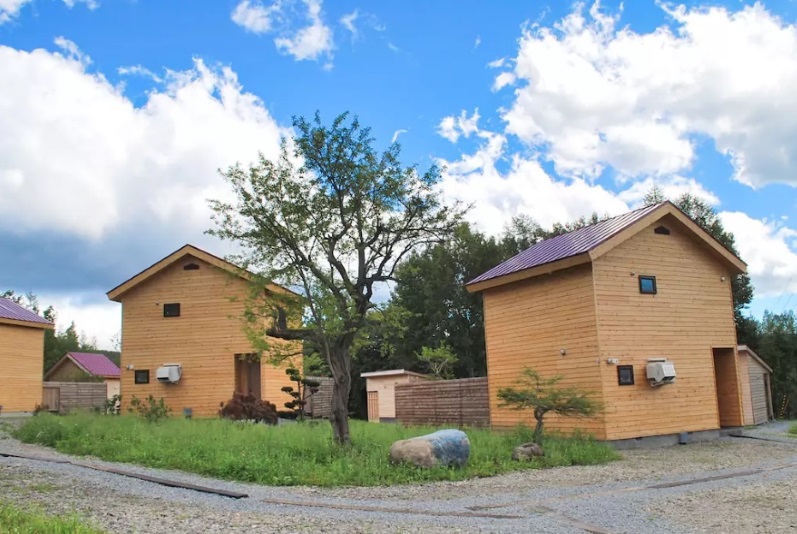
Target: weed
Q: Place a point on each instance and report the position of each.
(150, 409)
(29, 520)
(295, 454)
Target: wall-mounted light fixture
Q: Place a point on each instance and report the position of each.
(563, 352)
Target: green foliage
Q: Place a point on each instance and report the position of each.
(543, 395)
(113, 406)
(777, 345)
(793, 429)
(151, 410)
(305, 388)
(333, 216)
(33, 520)
(438, 360)
(288, 455)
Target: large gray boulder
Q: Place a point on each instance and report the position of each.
(441, 448)
(527, 451)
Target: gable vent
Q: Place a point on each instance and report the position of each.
(194, 266)
(661, 230)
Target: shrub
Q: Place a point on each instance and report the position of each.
(151, 410)
(305, 388)
(248, 408)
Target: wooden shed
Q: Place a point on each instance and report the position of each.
(84, 367)
(636, 309)
(381, 388)
(21, 357)
(756, 378)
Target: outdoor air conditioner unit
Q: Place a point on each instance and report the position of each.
(169, 373)
(660, 372)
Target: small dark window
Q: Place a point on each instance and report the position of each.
(647, 285)
(142, 377)
(190, 267)
(625, 375)
(171, 310)
(662, 230)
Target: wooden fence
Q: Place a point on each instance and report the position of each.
(320, 404)
(62, 397)
(463, 402)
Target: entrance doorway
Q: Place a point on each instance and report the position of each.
(247, 377)
(727, 382)
(373, 406)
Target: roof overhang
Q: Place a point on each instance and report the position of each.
(29, 324)
(755, 356)
(116, 293)
(391, 372)
(538, 270)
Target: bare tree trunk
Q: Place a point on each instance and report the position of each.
(340, 365)
(537, 438)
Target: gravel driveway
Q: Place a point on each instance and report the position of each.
(751, 488)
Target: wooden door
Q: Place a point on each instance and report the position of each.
(373, 406)
(247, 377)
(728, 400)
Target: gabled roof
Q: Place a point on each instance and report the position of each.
(92, 363)
(187, 250)
(14, 314)
(758, 358)
(587, 244)
(392, 372)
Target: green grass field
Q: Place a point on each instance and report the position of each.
(292, 454)
(793, 429)
(32, 520)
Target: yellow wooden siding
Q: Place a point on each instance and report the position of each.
(527, 323)
(691, 313)
(21, 367)
(747, 401)
(203, 339)
(758, 395)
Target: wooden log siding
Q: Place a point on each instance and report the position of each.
(78, 395)
(462, 402)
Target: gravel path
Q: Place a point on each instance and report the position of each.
(616, 497)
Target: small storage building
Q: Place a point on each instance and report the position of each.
(381, 387)
(756, 378)
(21, 357)
(82, 367)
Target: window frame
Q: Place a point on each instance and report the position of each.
(177, 304)
(651, 278)
(136, 380)
(620, 380)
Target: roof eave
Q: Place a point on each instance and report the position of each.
(546, 268)
(30, 324)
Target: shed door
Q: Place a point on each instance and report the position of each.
(247, 377)
(373, 406)
(758, 391)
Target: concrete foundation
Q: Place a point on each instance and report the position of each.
(681, 438)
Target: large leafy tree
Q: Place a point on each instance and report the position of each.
(707, 217)
(334, 217)
(778, 347)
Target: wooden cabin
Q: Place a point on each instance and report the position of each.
(602, 305)
(184, 337)
(86, 367)
(381, 388)
(756, 378)
(21, 357)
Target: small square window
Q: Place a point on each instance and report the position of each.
(625, 375)
(142, 377)
(647, 285)
(171, 310)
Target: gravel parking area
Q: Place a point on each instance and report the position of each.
(650, 490)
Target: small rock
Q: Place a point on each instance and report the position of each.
(442, 448)
(527, 451)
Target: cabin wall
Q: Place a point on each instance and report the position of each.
(758, 392)
(691, 314)
(747, 400)
(204, 338)
(527, 324)
(68, 372)
(21, 361)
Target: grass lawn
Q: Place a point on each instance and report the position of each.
(793, 429)
(287, 455)
(32, 520)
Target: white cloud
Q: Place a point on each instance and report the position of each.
(348, 22)
(598, 94)
(672, 187)
(504, 79)
(85, 161)
(769, 250)
(139, 70)
(477, 42)
(100, 322)
(396, 135)
(9, 9)
(497, 64)
(310, 42)
(254, 16)
(452, 128)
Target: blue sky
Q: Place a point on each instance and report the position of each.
(115, 114)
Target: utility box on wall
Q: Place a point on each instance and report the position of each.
(660, 372)
(169, 373)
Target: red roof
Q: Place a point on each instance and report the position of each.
(566, 245)
(11, 310)
(95, 364)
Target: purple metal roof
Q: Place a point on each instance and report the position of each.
(11, 310)
(566, 245)
(96, 364)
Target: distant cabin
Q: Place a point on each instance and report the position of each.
(84, 366)
(756, 377)
(21, 357)
(381, 391)
(183, 335)
(636, 309)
